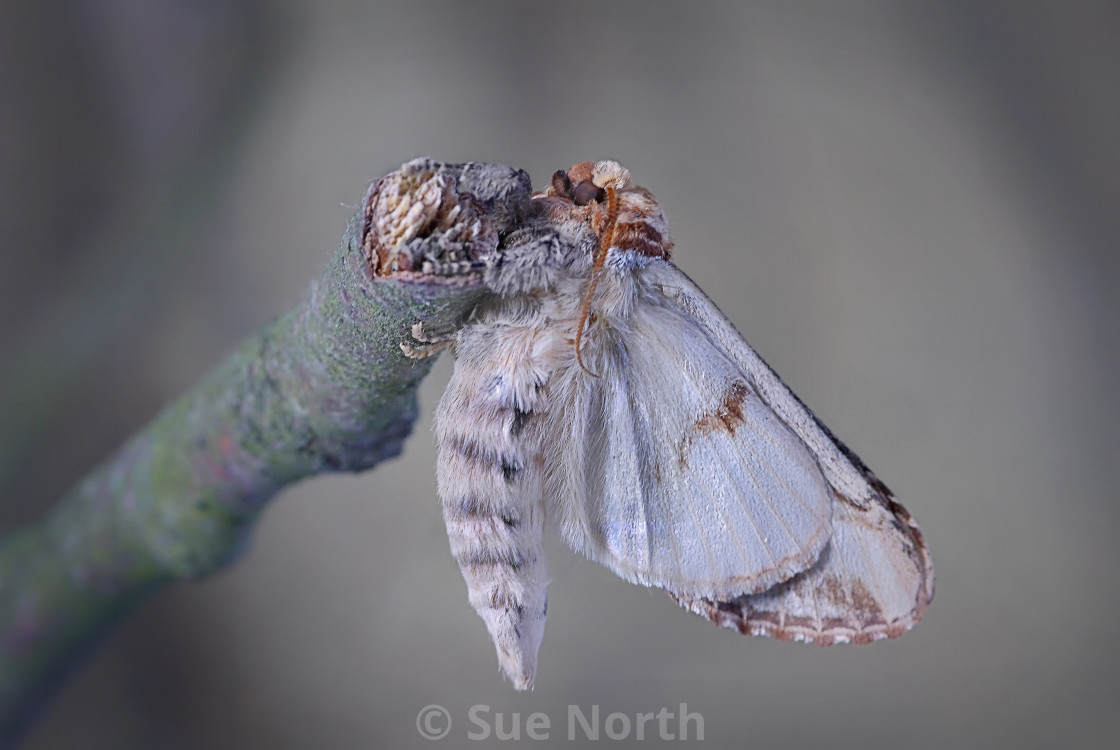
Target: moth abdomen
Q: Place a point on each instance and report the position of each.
(513, 558)
(480, 456)
(492, 506)
(472, 506)
(498, 545)
(517, 422)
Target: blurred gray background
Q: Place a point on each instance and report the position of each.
(910, 209)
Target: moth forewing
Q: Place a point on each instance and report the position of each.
(692, 484)
(837, 466)
(875, 578)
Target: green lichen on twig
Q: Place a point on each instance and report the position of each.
(323, 388)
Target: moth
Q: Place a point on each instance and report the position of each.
(597, 389)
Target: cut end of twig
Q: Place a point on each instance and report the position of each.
(440, 223)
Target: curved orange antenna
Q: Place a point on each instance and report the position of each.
(605, 240)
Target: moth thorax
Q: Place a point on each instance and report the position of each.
(642, 234)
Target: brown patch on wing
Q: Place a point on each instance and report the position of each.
(727, 417)
(855, 599)
(865, 607)
(833, 590)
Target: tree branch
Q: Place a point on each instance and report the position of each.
(323, 388)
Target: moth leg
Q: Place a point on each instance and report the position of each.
(429, 343)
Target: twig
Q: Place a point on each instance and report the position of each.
(324, 388)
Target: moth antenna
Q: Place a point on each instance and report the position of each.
(605, 240)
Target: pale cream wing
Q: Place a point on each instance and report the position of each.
(875, 578)
(670, 469)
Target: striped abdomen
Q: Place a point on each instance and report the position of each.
(490, 485)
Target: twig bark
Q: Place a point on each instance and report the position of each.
(323, 388)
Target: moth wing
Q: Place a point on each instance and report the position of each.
(671, 469)
(872, 581)
(875, 577)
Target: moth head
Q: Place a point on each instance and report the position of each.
(580, 194)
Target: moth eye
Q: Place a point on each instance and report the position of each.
(562, 184)
(588, 191)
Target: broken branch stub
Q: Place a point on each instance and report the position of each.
(429, 221)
